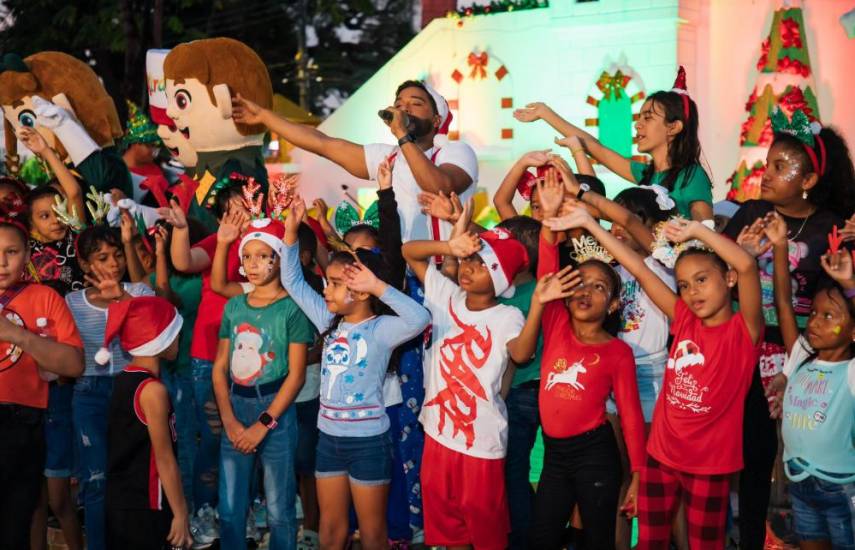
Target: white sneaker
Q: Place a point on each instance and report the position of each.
(308, 540)
(203, 527)
(299, 507)
(251, 529)
(258, 513)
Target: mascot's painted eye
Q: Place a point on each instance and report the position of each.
(27, 118)
(183, 99)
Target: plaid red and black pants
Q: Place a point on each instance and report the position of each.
(705, 498)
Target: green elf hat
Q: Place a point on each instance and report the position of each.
(139, 127)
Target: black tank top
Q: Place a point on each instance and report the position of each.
(133, 482)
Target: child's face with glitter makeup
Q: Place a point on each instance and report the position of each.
(260, 263)
(787, 175)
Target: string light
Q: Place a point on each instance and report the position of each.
(497, 6)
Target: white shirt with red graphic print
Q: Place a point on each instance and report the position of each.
(467, 357)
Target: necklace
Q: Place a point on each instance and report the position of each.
(270, 301)
(804, 222)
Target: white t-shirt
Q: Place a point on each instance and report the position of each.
(414, 224)
(643, 325)
(463, 408)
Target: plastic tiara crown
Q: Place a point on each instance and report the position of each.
(667, 252)
(587, 248)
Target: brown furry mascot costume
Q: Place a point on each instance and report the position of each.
(62, 98)
(201, 78)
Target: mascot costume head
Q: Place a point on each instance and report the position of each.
(63, 99)
(201, 77)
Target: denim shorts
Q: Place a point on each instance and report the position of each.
(307, 436)
(823, 510)
(649, 377)
(59, 432)
(365, 460)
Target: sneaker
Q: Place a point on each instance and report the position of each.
(308, 540)
(418, 535)
(259, 513)
(251, 529)
(299, 507)
(203, 527)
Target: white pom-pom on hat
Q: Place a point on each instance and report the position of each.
(103, 356)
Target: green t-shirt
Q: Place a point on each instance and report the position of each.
(522, 301)
(259, 338)
(189, 292)
(692, 185)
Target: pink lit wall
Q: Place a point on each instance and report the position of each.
(727, 36)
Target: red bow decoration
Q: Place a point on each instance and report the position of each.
(834, 241)
(616, 83)
(478, 64)
(157, 185)
(184, 191)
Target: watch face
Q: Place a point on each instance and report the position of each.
(585, 187)
(265, 419)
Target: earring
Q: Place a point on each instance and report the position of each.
(804, 194)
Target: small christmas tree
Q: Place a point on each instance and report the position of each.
(785, 81)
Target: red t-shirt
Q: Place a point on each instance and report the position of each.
(697, 423)
(20, 382)
(577, 378)
(210, 312)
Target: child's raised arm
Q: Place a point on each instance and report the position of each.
(390, 226)
(503, 199)
(748, 282)
(656, 289)
(184, 258)
(70, 187)
(419, 253)
(612, 160)
(228, 233)
(551, 195)
(775, 230)
(580, 156)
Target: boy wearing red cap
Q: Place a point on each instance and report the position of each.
(144, 502)
(464, 416)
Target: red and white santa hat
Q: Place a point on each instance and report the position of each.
(504, 257)
(269, 231)
(156, 85)
(145, 326)
(444, 113)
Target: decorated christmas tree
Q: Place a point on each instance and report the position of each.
(785, 81)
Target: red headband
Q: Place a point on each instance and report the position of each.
(527, 181)
(11, 221)
(818, 164)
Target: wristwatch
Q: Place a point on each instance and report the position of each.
(267, 421)
(407, 138)
(583, 188)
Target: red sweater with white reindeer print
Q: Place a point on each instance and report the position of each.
(697, 422)
(577, 378)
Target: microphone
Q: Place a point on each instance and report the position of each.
(387, 117)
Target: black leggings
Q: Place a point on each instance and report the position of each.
(759, 449)
(584, 470)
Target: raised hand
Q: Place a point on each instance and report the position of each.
(531, 112)
(464, 245)
(571, 142)
(536, 158)
(752, 238)
(33, 140)
(173, 214)
(462, 213)
(109, 287)
(384, 175)
(230, 227)
(438, 205)
(557, 286)
(838, 265)
(550, 192)
(576, 217)
(680, 230)
(160, 236)
(245, 111)
(295, 216)
(775, 228)
(359, 278)
(128, 226)
(571, 184)
(848, 231)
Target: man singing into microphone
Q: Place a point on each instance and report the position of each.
(421, 162)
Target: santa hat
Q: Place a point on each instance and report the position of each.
(270, 232)
(157, 87)
(245, 329)
(504, 257)
(444, 113)
(680, 88)
(145, 327)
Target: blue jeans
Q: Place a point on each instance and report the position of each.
(59, 432)
(179, 384)
(823, 510)
(90, 408)
(208, 423)
(276, 453)
(523, 422)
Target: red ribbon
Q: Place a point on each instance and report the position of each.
(157, 185)
(478, 64)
